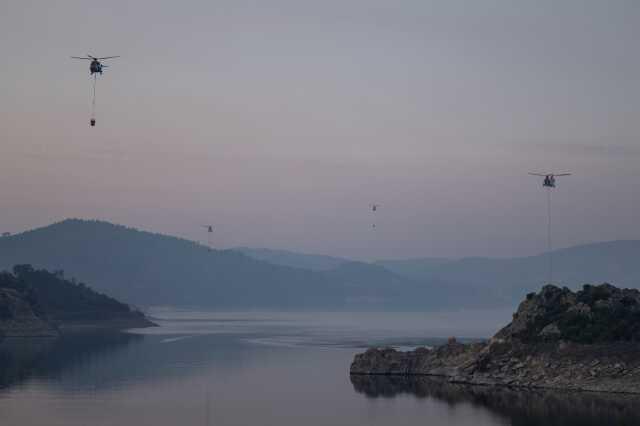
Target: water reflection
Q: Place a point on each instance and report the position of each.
(204, 369)
(104, 361)
(24, 358)
(519, 407)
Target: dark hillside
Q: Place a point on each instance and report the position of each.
(146, 268)
(36, 302)
(62, 300)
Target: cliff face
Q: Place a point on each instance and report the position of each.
(589, 340)
(17, 317)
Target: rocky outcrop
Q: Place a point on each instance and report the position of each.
(512, 406)
(17, 318)
(596, 314)
(443, 360)
(558, 339)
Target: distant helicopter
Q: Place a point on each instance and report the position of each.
(374, 208)
(549, 183)
(209, 229)
(95, 67)
(549, 178)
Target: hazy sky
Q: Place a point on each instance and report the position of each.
(280, 121)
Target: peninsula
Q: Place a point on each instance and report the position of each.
(558, 339)
(39, 303)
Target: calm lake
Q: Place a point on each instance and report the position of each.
(202, 368)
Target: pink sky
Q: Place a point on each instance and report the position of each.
(280, 123)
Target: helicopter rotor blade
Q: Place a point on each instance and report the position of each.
(78, 57)
(562, 174)
(108, 57)
(537, 174)
(92, 57)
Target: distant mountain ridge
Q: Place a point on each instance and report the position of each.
(510, 278)
(313, 262)
(417, 269)
(504, 281)
(145, 269)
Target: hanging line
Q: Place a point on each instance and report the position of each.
(93, 100)
(550, 247)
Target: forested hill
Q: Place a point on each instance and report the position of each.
(144, 268)
(66, 300)
(33, 300)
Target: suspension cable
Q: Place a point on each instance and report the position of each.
(93, 100)
(549, 243)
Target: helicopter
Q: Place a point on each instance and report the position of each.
(549, 178)
(374, 208)
(96, 66)
(209, 229)
(549, 183)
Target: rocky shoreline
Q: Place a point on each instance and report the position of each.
(38, 328)
(114, 324)
(558, 339)
(512, 405)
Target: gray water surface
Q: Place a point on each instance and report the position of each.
(201, 368)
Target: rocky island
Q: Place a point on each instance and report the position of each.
(39, 303)
(587, 340)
